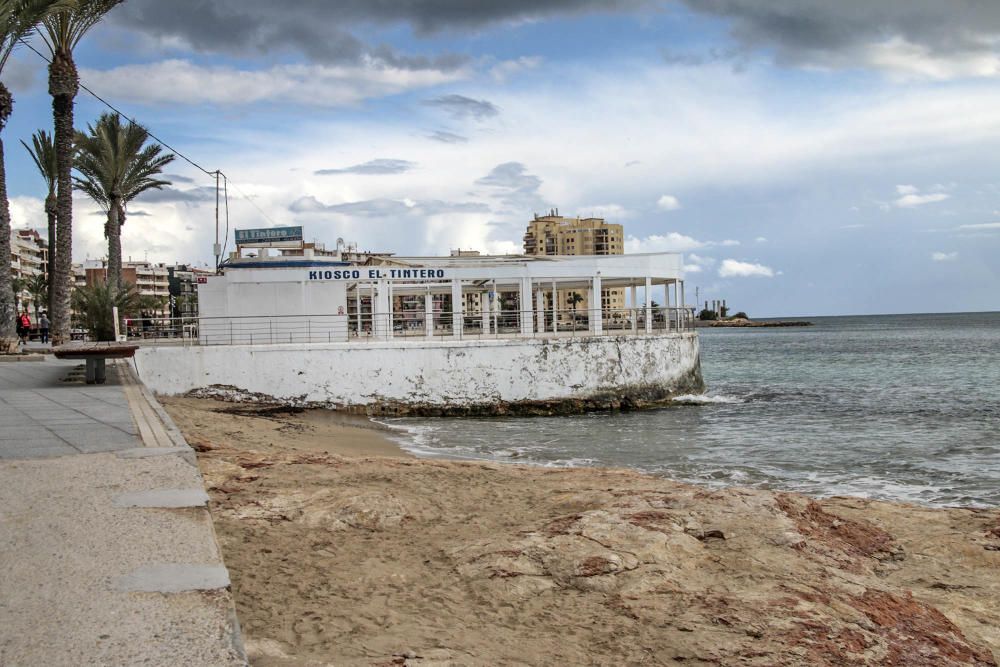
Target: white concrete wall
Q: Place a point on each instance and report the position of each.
(434, 373)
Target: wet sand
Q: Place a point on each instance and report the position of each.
(344, 551)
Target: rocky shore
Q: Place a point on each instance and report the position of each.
(392, 560)
(744, 323)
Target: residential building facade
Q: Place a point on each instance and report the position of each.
(151, 280)
(29, 259)
(554, 234)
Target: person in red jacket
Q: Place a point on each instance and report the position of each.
(24, 326)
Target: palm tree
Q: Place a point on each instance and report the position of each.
(115, 167)
(18, 19)
(63, 31)
(43, 153)
(17, 287)
(38, 288)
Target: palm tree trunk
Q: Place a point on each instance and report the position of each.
(7, 312)
(63, 85)
(7, 307)
(50, 212)
(114, 247)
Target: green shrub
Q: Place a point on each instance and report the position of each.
(93, 306)
(706, 314)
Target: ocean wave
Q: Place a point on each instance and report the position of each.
(704, 399)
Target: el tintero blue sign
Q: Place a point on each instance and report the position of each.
(268, 235)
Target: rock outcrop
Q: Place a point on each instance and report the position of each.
(394, 561)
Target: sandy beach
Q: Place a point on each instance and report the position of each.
(345, 551)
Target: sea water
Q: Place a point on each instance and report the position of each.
(901, 407)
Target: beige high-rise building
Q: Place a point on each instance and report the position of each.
(555, 235)
(29, 256)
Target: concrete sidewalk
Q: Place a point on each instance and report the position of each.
(109, 553)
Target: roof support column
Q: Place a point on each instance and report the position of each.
(540, 310)
(666, 304)
(429, 314)
(682, 321)
(527, 311)
(484, 311)
(357, 307)
(390, 315)
(495, 308)
(634, 311)
(596, 314)
(555, 308)
(457, 308)
(380, 311)
(649, 304)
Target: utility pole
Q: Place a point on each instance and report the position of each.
(217, 248)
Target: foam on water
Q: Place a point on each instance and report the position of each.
(705, 399)
(896, 408)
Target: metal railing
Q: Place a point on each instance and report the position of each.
(406, 325)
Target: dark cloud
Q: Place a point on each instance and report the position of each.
(322, 30)
(373, 167)
(386, 208)
(841, 33)
(316, 27)
(447, 137)
(171, 195)
(461, 106)
(511, 175)
(514, 186)
(177, 178)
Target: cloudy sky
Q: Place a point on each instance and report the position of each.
(808, 157)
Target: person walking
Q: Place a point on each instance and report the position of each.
(24, 326)
(43, 326)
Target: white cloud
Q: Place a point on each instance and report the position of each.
(913, 200)
(610, 212)
(183, 82)
(697, 263)
(760, 239)
(670, 242)
(729, 243)
(906, 60)
(668, 203)
(944, 256)
(757, 145)
(982, 227)
(906, 190)
(27, 213)
(732, 268)
(508, 68)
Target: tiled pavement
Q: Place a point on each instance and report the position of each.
(108, 551)
(42, 415)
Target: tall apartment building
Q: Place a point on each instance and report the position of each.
(29, 257)
(150, 280)
(183, 282)
(555, 235)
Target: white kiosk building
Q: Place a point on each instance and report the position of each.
(462, 335)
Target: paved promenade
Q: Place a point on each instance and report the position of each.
(109, 553)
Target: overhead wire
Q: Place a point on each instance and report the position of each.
(163, 143)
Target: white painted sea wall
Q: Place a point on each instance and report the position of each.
(440, 375)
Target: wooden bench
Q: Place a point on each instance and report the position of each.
(96, 356)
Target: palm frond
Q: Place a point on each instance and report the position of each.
(20, 18)
(43, 154)
(64, 29)
(113, 163)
